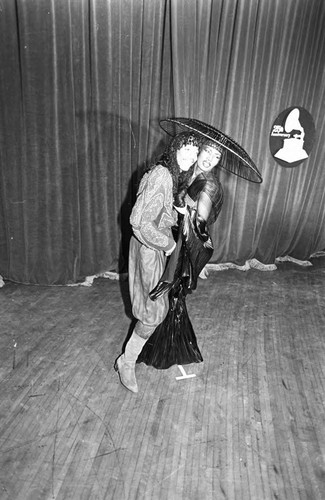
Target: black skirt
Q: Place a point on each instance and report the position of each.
(174, 341)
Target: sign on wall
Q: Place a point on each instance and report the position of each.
(292, 136)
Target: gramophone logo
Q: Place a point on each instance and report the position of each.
(292, 137)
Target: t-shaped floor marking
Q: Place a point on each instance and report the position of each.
(184, 374)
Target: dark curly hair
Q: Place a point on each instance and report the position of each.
(169, 160)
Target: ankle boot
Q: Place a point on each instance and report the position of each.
(125, 364)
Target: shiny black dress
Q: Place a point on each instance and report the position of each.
(174, 341)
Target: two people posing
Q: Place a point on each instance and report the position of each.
(182, 189)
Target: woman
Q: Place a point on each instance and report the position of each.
(174, 341)
(152, 219)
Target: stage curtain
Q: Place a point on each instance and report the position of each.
(83, 84)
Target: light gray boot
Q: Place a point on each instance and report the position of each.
(125, 364)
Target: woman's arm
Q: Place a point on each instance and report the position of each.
(204, 206)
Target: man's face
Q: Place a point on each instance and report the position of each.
(186, 156)
(208, 158)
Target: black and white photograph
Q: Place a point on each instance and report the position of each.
(162, 250)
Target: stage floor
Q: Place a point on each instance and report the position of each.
(249, 425)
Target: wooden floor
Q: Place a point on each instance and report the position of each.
(250, 425)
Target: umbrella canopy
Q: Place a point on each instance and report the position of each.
(235, 158)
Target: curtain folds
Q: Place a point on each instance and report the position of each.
(83, 85)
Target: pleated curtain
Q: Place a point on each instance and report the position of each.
(83, 84)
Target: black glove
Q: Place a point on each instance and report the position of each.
(201, 229)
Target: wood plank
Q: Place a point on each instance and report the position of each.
(250, 425)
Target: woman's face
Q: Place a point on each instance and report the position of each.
(208, 158)
(186, 156)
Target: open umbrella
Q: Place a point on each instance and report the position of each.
(235, 158)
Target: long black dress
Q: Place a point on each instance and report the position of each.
(174, 341)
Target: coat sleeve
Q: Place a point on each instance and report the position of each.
(153, 215)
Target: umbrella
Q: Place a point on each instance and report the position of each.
(235, 158)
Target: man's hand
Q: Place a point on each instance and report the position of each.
(204, 273)
(169, 252)
(181, 210)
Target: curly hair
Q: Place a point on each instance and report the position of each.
(169, 160)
